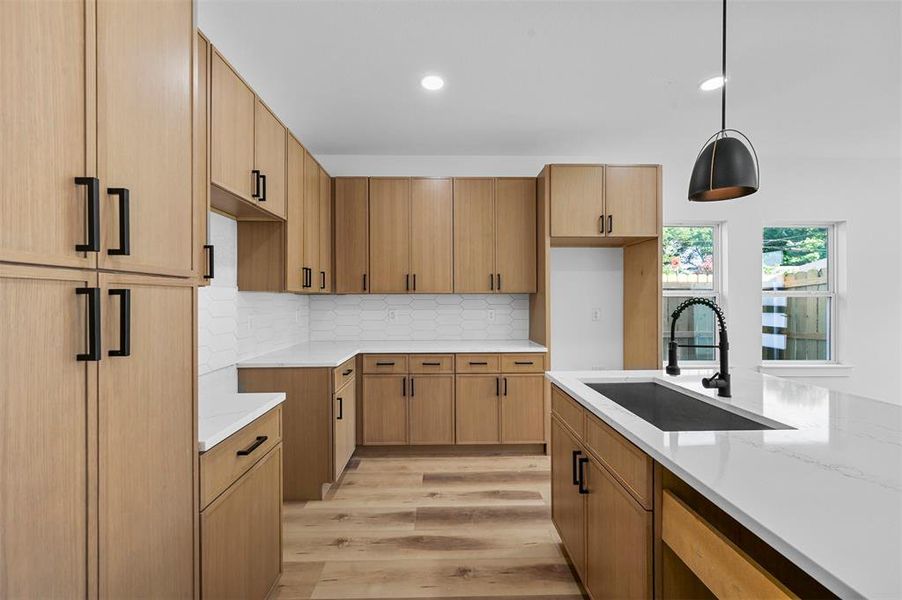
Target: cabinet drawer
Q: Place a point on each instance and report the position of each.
(630, 465)
(385, 363)
(343, 373)
(523, 363)
(478, 363)
(569, 411)
(431, 363)
(231, 458)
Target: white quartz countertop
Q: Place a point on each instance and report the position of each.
(826, 494)
(332, 354)
(221, 410)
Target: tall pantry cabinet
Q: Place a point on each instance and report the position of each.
(99, 238)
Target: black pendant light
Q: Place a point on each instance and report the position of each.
(727, 166)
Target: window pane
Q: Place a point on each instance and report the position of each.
(695, 326)
(795, 328)
(688, 258)
(794, 258)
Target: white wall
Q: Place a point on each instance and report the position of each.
(586, 308)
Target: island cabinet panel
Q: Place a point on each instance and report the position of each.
(523, 409)
(515, 235)
(241, 534)
(44, 422)
(477, 409)
(385, 410)
(431, 236)
(431, 409)
(47, 101)
(295, 273)
(344, 419)
(390, 235)
(232, 109)
(631, 200)
(618, 539)
(351, 235)
(311, 225)
(474, 235)
(325, 232)
(577, 201)
(269, 159)
(567, 504)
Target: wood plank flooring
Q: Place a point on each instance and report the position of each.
(429, 527)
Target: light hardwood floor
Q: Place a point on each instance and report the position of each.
(429, 527)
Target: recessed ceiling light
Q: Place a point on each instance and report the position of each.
(432, 82)
(709, 85)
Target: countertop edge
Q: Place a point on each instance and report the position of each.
(212, 441)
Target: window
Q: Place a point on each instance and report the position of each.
(798, 304)
(691, 268)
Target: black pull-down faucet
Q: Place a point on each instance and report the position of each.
(720, 380)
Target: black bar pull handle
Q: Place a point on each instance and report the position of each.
(576, 454)
(364, 282)
(385, 364)
(414, 282)
(481, 363)
(610, 224)
(523, 362)
(407, 282)
(491, 282)
(601, 224)
(308, 275)
(261, 439)
(256, 174)
(432, 364)
(499, 281)
(403, 386)
(340, 409)
(211, 261)
(505, 386)
(497, 386)
(93, 294)
(412, 388)
(322, 280)
(92, 197)
(262, 187)
(125, 322)
(124, 248)
(582, 475)
(346, 373)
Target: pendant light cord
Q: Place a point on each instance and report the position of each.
(723, 89)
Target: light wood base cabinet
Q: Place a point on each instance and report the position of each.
(431, 409)
(385, 409)
(477, 403)
(567, 504)
(344, 436)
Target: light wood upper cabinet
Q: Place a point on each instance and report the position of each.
(431, 235)
(325, 232)
(384, 409)
(631, 201)
(269, 159)
(577, 200)
(311, 222)
(351, 235)
(43, 424)
(477, 414)
(48, 136)
(295, 219)
(515, 235)
(201, 161)
(474, 235)
(389, 235)
(431, 409)
(232, 112)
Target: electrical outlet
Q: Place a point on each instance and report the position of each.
(392, 316)
(491, 314)
(596, 314)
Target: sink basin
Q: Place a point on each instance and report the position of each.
(669, 410)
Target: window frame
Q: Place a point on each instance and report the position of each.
(830, 292)
(716, 293)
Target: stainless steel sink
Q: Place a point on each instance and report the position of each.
(670, 410)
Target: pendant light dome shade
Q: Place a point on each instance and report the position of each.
(726, 168)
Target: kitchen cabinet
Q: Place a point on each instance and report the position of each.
(232, 114)
(351, 235)
(204, 259)
(295, 269)
(431, 236)
(325, 232)
(269, 159)
(385, 409)
(523, 409)
(477, 403)
(631, 200)
(515, 235)
(431, 409)
(577, 201)
(567, 503)
(474, 235)
(107, 179)
(311, 223)
(390, 235)
(345, 426)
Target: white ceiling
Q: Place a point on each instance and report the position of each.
(568, 78)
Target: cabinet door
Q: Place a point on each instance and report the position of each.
(344, 417)
(474, 235)
(431, 406)
(390, 235)
(477, 411)
(144, 134)
(231, 131)
(47, 397)
(567, 504)
(577, 200)
(47, 126)
(618, 539)
(325, 232)
(631, 201)
(201, 162)
(311, 222)
(384, 409)
(294, 218)
(431, 235)
(241, 534)
(515, 235)
(351, 235)
(147, 440)
(523, 409)
(269, 158)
